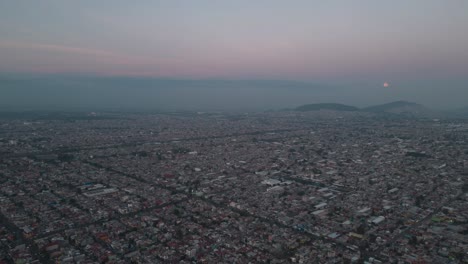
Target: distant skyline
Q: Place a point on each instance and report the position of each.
(292, 40)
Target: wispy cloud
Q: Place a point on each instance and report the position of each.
(98, 61)
(56, 48)
(103, 54)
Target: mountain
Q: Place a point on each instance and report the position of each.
(459, 113)
(90, 93)
(464, 111)
(327, 106)
(399, 107)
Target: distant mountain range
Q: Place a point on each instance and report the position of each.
(397, 108)
(326, 106)
(59, 93)
(459, 113)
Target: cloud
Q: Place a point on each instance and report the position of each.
(56, 48)
(102, 54)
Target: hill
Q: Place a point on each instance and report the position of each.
(327, 106)
(459, 113)
(88, 93)
(398, 107)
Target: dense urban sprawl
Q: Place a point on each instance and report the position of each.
(274, 187)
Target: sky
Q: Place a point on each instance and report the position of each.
(357, 43)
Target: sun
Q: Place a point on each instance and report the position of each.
(386, 84)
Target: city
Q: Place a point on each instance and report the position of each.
(212, 187)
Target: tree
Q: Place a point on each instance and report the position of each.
(465, 187)
(419, 200)
(413, 241)
(361, 229)
(177, 212)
